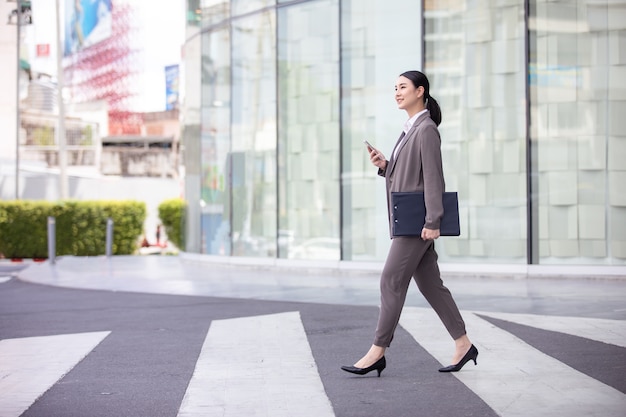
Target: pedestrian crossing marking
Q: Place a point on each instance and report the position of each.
(602, 330)
(30, 366)
(514, 378)
(261, 365)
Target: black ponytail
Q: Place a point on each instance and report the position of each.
(434, 109)
(420, 80)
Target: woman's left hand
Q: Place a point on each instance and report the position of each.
(430, 234)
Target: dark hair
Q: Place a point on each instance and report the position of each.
(419, 80)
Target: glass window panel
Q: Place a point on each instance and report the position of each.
(577, 85)
(253, 132)
(190, 106)
(194, 15)
(215, 137)
(247, 6)
(475, 62)
(214, 11)
(374, 51)
(308, 85)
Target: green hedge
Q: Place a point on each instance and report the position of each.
(80, 227)
(172, 215)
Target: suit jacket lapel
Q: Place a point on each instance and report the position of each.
(409, 136)
(392, 160)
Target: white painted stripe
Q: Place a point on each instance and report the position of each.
(602, 330)
(256, 366)
(30, 366)
(512, 377)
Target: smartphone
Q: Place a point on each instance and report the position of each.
(369, 145)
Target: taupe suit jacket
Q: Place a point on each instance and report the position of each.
(418, 167)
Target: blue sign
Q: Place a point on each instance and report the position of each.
(87, 22)
(171, 87)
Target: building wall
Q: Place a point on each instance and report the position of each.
(8, 84)
(531, 133)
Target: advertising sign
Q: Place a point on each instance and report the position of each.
(171, 87)
(87, 22)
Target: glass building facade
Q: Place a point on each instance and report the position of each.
(279, 96)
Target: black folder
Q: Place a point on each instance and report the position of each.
(409, 214)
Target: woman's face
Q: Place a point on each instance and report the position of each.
(407, 96)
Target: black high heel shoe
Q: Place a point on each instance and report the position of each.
(378, 366)
(471, 355)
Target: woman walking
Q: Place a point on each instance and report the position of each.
(415, 165)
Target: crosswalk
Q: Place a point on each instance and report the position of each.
(246, 367)
(515, 377)
(602, 330)
(30, 366)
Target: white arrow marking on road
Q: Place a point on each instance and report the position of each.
(512, 377)
(602, 330)
(30, 366)
(256, 366)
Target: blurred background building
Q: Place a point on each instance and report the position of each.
(279, 96)
(120, 63)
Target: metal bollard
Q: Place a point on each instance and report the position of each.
(52, 239)
(109, 242)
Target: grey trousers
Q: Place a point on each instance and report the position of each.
(413, 257)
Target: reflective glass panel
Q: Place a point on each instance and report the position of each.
(475, 60)
(190, 107)
(376, 47)
(247, 6)
(578, 102)
(214, 11)
(308, 85)
(215, 136)
(253, 132)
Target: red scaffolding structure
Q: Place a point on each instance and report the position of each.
(108, 71)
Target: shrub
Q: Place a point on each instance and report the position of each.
(80, 227)
(172, 215)
(43, 136)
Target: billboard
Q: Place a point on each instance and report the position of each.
(87, 22)
(171, 87)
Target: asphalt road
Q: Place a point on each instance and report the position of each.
(144, 366)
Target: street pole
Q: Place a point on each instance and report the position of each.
(109, 238)
(17, 103)
(52, 239)
(64, 187)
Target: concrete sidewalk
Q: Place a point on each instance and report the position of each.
(555, 294)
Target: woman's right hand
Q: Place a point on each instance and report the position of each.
(377, 158)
